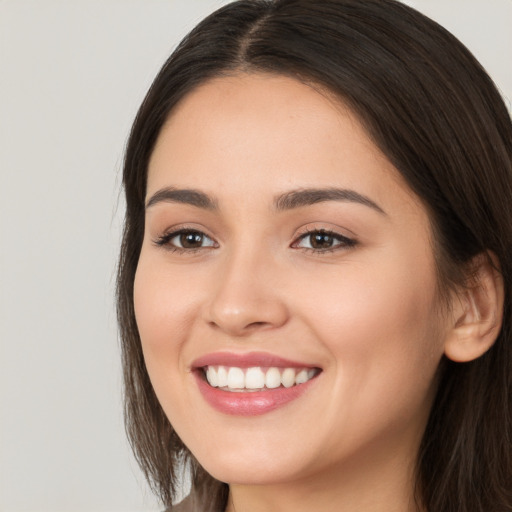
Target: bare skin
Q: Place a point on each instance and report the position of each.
(346, 284)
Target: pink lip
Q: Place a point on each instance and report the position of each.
(247, 360)
(248, 403)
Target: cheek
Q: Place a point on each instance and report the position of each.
(160, 314)
(370, 302)
(163, 313)
(149, 303)
(384, 334)
(163, 301)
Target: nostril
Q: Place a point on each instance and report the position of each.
(252, 326)
(257, 324)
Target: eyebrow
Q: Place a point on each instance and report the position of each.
(287, 201)
(184, 196)
(310, 196)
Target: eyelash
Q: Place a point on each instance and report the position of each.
(343, 242)
(165, 241)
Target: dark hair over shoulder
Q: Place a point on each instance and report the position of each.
(434, 112)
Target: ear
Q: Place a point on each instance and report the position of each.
(477, 311)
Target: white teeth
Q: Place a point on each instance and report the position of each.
(237, 379)
(254, 378)
(273, 378)
(211, 376)
(288, 377)
(301, 377)
(222, 377)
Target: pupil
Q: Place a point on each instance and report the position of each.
(191, 240)
(321, 241)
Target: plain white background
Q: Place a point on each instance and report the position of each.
(72, 74)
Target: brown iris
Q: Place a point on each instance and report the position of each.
(191, 240)
(321, 240)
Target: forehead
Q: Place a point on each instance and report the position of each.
(268, 134)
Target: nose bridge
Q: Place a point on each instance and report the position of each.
(245, 296)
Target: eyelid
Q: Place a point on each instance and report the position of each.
(163, 240)
(344, 241)
(325, 227)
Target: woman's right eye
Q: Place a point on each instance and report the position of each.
(185, 240)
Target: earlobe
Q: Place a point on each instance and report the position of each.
(477, 311)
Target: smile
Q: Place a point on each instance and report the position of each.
(235, 379)
(253, 383)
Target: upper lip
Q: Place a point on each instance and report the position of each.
(247, 360)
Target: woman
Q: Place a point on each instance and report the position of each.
(314, 284)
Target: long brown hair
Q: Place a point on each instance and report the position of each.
(434, 112)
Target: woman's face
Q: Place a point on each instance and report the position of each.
(286, 258)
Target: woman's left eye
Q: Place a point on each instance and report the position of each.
(322, 240)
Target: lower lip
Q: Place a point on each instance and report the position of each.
(249, 403)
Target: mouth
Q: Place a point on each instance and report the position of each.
(256, 378)
(253, 383)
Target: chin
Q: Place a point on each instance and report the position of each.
(250, 467)
(249, 474)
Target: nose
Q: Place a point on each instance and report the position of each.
(246, 298)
